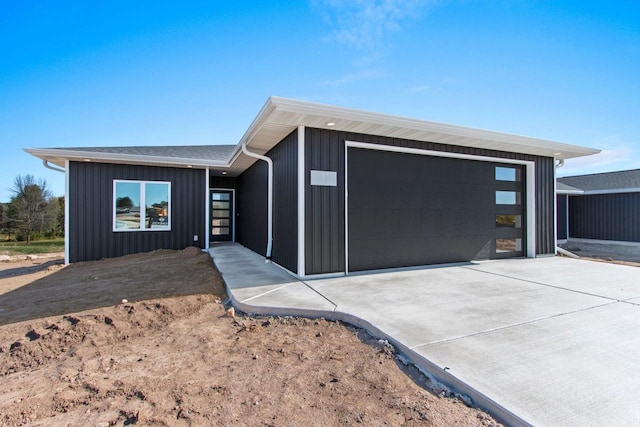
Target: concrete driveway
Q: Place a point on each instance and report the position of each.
(547, 341)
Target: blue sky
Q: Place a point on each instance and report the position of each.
(170, 73)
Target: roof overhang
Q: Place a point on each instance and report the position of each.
(280, 116)
(59, 156)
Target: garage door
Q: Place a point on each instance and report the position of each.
(408, 210)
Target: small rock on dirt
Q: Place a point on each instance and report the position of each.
(231, 312)
(32, 335)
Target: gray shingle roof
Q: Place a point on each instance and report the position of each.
(204, 152)
(564, 187)
(604, 181)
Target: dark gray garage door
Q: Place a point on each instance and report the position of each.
(408, 210)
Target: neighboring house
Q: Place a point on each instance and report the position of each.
(321, 190)
(562, 209)
(602, 206)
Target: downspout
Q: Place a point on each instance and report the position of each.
(269, 196)
(53, 168)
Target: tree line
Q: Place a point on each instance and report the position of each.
(33, 212)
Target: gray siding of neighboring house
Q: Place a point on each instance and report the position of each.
(252, 204)
(325, 206)
(91, 210)
(605, 217)
(561, 210)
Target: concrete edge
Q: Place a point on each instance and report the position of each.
(478, 399)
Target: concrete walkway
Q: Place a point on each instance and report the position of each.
(546, 341)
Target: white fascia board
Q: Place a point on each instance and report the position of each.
(79, 155)
(67, 202)
(303, 107)
(257, 123)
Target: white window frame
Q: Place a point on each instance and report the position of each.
(143, 210)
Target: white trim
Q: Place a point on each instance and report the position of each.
(555, 205)
(432, 153)
(233, 211)
(207, 211)
(531, 209)
(301, 202)
(530, 190)
(612, 191)
(346, 207)
(67, 232)
(143, 210)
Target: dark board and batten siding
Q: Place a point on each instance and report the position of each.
(561, 205)
(252, 204)
(91, 210)
(605, 217)
(251, 208)
(324, 206)
(226, 182)
(285, 202)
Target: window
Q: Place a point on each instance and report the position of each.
(504, 173)
(508, 245)
(512, 221)
(141, 205)
(507, 197)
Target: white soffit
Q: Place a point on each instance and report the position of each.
(281, 116)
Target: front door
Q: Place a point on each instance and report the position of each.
(221, 215)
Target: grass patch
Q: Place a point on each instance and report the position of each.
(35, 247)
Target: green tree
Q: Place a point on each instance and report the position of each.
(28, 206)
(3, 227)
(60, 217)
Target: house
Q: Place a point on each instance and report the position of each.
(321, 190)
(601, 206)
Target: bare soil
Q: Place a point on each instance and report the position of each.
(73, 353)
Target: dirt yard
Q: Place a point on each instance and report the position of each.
(73, 353)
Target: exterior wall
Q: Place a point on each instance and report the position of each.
(91, 210)
(324, 206)
(251, 208)
(605, 217)
(561, 213)
(223, 182)
(252, 204)
(285, 202)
